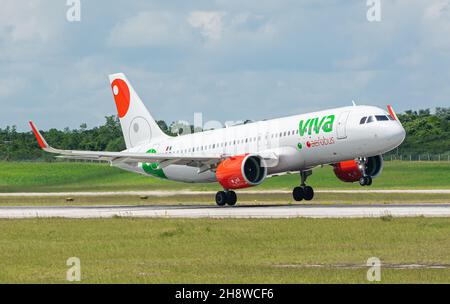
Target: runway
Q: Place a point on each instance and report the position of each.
(202, 211)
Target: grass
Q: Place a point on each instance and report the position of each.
(54, 177)
(224, 251)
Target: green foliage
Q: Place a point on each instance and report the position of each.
(426, 133)
(23, 145)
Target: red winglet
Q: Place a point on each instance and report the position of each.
(38, 135)
(392, 113)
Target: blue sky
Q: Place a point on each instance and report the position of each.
(230, 59)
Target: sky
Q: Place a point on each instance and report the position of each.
(230, 60)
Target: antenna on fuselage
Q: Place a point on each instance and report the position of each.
(353, 102)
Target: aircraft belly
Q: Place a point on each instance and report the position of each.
(188, 174)
(290, 159)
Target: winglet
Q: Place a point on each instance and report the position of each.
(42, 143)
(392, 113)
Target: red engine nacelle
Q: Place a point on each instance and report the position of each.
(351, 171)
(241, 172)
(347, 171)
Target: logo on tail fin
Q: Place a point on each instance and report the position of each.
(121, 96)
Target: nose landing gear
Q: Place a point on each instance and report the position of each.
(365, 180)
(303, 192)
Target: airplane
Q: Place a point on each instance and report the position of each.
(351, 139)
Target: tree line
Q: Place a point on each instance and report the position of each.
(426, 133)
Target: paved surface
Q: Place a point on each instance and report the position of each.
(201, 211)
(188, 192)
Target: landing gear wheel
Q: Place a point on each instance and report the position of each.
(308, 193)
(221, 198)
(298, 193)
(365, 181)
(362, 181)
(231, 198)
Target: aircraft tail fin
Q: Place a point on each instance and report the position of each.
(138, 126)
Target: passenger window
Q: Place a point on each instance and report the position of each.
(363, 120)
(370, 119)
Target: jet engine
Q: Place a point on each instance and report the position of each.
(353, 170)
(241, 171)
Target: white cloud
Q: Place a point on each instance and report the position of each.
(147, 29)
(10, 86)
(436, 25)
(240, 18)
(437, 9)
(27, 21)
(30, 31)
(357, 62)
(410, 60)
(210, 23)
(288, 56)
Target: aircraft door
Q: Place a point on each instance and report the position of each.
(342, 125)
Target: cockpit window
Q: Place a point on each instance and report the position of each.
(363, 120)
(370, 119)
(390, 117)
(381, 117)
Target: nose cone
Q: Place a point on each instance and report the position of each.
(396, 134)
(402, 133)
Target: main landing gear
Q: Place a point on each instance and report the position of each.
(227, 197)
(303, 191)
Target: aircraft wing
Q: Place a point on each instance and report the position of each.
(130, 157)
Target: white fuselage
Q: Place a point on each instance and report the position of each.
(299, 142)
